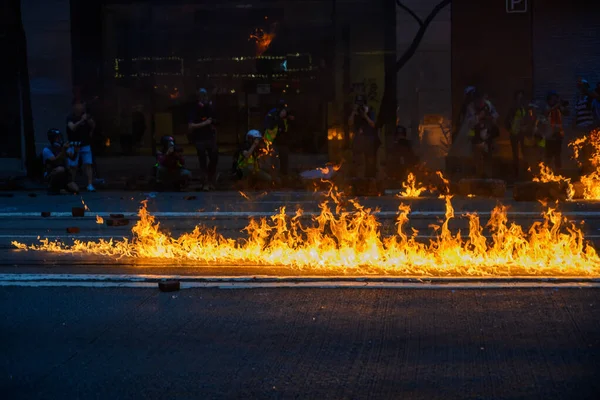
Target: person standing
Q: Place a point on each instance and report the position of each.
(514, 125)
(203, 134)
(555, 133)
(483, 134)
(277, 135)
(584, 118)
(366, 142)
(80, 129)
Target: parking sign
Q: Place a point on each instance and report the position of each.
(516, 6)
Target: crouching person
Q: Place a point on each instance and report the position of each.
(54, 157)
(171, 170)
(248, 162)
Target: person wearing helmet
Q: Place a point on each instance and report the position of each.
(170, 165)
(54, 157)
(203, 134)
(247, 161)
(276, 133)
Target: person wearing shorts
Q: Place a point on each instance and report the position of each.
(80, 128)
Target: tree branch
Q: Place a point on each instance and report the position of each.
(409, 11)
(420, 34)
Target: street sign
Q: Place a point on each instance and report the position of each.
(516, 6)
(263, 88)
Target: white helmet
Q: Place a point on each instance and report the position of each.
(254, 134)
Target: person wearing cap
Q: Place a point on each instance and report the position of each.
(276, 136)
(170, 165)
(203, 134)
(54, 158)
(366, 141)
(554, 132)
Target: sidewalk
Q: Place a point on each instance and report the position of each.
(134, 172)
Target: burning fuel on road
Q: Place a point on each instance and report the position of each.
(347, 237)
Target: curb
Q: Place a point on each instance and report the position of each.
(264, 282)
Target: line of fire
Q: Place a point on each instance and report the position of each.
(447, 101)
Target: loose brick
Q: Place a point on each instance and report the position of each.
(78, 211)
(544, 191)
(169, 286)
(117, 222)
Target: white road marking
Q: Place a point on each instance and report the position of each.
(252, 214)
(310, 285)
(274, 278)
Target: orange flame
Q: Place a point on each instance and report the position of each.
(99, 220)
(349, 239)
(85, 207)
(329, 169)
(262, 40)
(581, 147)
(412, 188)
(547, 175)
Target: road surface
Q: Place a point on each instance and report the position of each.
(86, 327)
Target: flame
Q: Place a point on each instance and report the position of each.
(411, 187)
(591, 181)
(547, 175)
(99, 220)
(262, 40)
(85, 207)
(330, 168)
(348, 238)
(335, 134)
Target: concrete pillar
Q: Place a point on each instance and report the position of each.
(48, 28)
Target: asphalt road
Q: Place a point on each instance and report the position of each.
(120, 343)
(229, 212)
(72, 343)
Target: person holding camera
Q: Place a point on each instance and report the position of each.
(203, 133)
(276, 134)
(366, 142)
(247, 162)
(80, 129)
(54, 157)
(171, 164)
(556, 108)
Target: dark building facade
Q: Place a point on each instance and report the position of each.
(502, 46)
